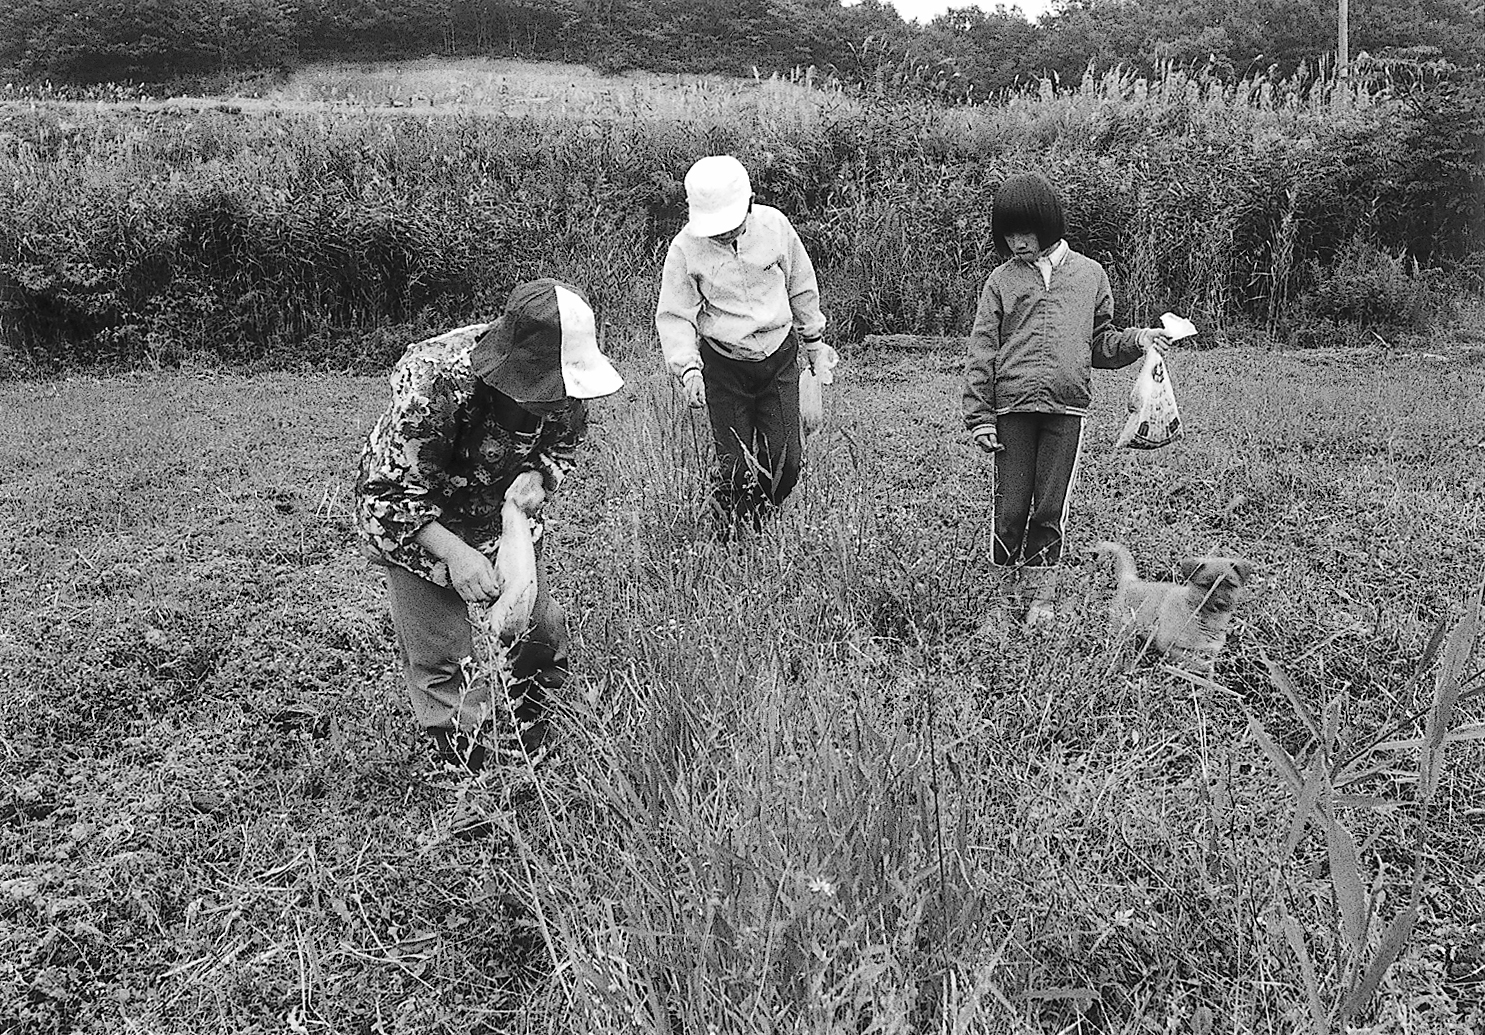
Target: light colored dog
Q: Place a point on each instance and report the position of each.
(1186, 621)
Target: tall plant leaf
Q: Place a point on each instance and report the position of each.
(1345, 879)
(1296, 939)
(1285, 685)
(1471, 731)
(1457, 651)
(1281, 759)
(1317, 779)
(1387, 953)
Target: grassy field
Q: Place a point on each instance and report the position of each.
(817, 781)
(488, 86)
(511, 87)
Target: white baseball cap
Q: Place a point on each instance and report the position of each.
(718, 192)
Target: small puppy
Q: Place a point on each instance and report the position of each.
(1186, 621)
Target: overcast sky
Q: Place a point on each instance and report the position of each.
(925, 10)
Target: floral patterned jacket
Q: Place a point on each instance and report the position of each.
(446, 450)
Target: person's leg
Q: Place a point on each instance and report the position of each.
(730, 407)
(1058, 447)
(1015, 479)
(433, 637)
(780, 444)
(538, 668)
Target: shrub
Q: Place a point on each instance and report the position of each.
(1440, 211)
(1369, 287)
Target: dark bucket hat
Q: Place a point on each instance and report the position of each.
(544, 347)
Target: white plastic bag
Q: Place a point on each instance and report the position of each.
(811, 398)
(1153, 420)
(1178, 327)
(515, 561)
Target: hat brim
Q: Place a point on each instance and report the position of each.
(710, 224)
(586, 372)
(598, 380)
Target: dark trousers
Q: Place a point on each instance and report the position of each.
(1034, 475)
(434, 635)
(754, 408)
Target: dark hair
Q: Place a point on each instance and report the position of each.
(1027, 203)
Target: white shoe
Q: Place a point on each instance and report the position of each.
(1040, 615)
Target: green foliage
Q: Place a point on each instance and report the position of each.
(1369, 287)
(1361, 947)
(1443, 204)
(158, 233)
(962, 56)
(81, 41)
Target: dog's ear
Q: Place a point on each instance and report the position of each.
(1244, 569)
(1190, 568)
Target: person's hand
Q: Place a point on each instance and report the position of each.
(987, 442)
(694, 389)
(812, 354)
(528, 491)
(472, 575)
(1156, 338)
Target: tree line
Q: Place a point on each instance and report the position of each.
(964, 55)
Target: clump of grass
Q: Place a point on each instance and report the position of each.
(1359, 944)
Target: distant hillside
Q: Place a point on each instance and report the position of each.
(961, 56)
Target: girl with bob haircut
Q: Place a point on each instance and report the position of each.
(1044, 320)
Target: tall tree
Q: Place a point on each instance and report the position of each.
(242, 34)
(993, 50)
(93, 41)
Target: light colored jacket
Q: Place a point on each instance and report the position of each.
(743, 297)
(1037, 335)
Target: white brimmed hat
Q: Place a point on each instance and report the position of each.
(545, 347)
(718, 192)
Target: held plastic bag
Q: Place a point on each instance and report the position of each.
(811, 398)
(1153, 420)
(1178, 327)
(515, 561)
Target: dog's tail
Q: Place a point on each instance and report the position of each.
(1124, 568)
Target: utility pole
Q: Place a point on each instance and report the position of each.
(1342, 43)
(1342, 53)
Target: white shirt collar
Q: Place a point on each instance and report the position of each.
(1047, 263)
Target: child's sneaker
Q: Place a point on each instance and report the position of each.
(1039, 590)
(1040, 615)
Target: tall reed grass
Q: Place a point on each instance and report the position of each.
(149, 233)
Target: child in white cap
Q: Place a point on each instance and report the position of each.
(478, 415)
(739, 313)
